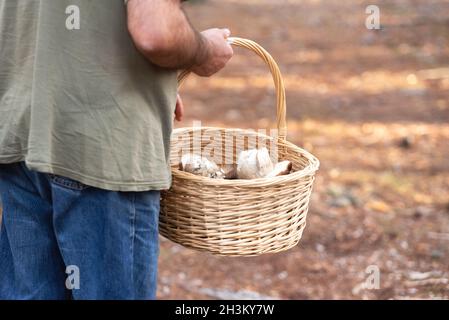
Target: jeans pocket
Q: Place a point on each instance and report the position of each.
(67, 182)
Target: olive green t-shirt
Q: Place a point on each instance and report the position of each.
(82, 103)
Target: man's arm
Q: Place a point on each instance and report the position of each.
(162, 33)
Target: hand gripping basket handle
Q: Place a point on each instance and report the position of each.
(277, 78)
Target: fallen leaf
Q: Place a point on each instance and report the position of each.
(378, 205)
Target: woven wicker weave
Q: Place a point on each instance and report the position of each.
(238, 217)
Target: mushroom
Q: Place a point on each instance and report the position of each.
(280, 169)
(230, 171)
(200, 166)
(254, 163)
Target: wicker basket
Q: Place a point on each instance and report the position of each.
(238, 217)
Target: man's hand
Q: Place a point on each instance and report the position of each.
(179, 111)
(218, 52)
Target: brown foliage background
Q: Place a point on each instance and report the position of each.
(373, 106)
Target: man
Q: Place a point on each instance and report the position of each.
(87, 95)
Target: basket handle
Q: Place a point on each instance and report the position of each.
(277, 78)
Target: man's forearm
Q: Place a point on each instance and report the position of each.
(187, 48)
(163, 33)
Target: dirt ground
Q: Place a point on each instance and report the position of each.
(373, 106)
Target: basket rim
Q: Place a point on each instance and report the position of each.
(310, 169)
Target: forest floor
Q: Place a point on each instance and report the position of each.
(373, 106)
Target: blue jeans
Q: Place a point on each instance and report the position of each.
(61, 239)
